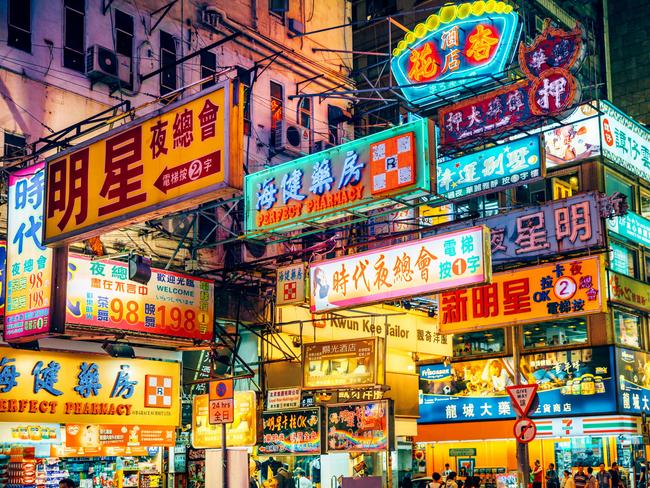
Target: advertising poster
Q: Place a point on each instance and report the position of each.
(174, 159)
(70, 388)
(363, 427)
(171, 304)
(634, 381)
(547, 292)
(241, 432)
(503, 166)
(338, 364)
(575, 382)
(419, 267)
(359, 174)
(29, 262)
(115, 440)
(576, 139)
(291, 432)
(26, 433)
(3, 275)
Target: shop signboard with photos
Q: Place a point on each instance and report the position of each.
(74, 388)
(292, 432)
(535, 294)
(360, 427)
(419, 267)
(548, 89)
(515, 163)
(575, 382)
(456, 49)
(577, 139)
(634, 381)
(3, 275)
(628, 291)
(177, 157)
(171, 304)
(404, 330)
(87, 440)
(361, 174)
(341, 364)
(241, 432)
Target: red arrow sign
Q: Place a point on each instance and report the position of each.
(522, 397)
(189, 172)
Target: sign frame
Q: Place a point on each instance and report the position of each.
(232, 120)
(320, 428)
(389, 416)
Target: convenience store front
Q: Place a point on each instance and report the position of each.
(102, 421)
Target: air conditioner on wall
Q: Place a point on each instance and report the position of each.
(105, 65)
(290, 138)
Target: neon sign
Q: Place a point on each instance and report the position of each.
(458, 48)
(548, 89)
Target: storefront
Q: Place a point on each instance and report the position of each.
(101, 421)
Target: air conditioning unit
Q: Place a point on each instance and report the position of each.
(322, 145)
(105, 65)
(290, 138)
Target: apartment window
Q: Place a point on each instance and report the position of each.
(647, 267)
(333, 119)
(304, 112)
(478, 207)
(565, 185)
(623, 259)
(124, 33)
(248, 94)
(19, 25)
(208, 67)
(278, 7)
(277, 103)
(558, 333)
(645, 203)
(15, 145)
(627, 328)
(73, 50)
(475, 343)
(614, 183)
(167, 57)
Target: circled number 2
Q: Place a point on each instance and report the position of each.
(194, 172)
(565, 288)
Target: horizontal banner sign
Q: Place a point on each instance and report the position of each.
(419, 267)
(171, 304)
(76, 388)
(359, 427)
(340, 364)
(536, 294)
(360, 173)
(576, 382)
(628, 291)
(115, 440)
(283, 399)
(291, 432)
(176, 158)
(588, 426)
(633, 227)
(503, 166)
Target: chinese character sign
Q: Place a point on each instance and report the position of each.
(174, 159)
(576, 382)
(338, 364)
(634, 394)
(290, 284)
(283, 399)
(547, 292)
(420, 267)
(631, 226)
(358, 174)
(625, 142)
(115, 440)
(364, 427)
(74, 388)
(291, 432)
(516, 163)
(549, 89)
(628, 291)
(456, 49)
(3, 275)
(29, 262)
(240, 432)
(100, 295)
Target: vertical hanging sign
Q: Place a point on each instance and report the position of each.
(29, 262)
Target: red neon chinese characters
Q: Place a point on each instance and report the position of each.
(381, 273)
(481, 44)
(158, 135)
(208, 119)
(454, 307)
(68, 183)
(122, 183)
(531, 233)
(573, 222)
(485, 301)
(423, 64)
(516, 296)
(183, 127)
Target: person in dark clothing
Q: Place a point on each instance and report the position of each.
(615, 475)
(552, 478)
(274, 464)
(406, 481)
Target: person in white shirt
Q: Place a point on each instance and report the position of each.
(302, 481)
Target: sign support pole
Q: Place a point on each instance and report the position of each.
(224, 450)
(523, 464)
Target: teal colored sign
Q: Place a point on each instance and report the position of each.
(467, 451)
(454, 50)
(493, 169)
(362, 174)
(619, 259)
(633, 227)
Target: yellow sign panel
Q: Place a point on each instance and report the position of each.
(241, 432)
(548, 292)
(630, 292)
(87, 389)
(177, 158)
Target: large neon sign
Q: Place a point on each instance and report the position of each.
(456, 49)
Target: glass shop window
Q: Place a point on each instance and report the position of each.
(476, 343)
(558, 333)
(614, 183)
(623, 259)
(478, 207)
(645, 204)
(627, 327)
(564, 186)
